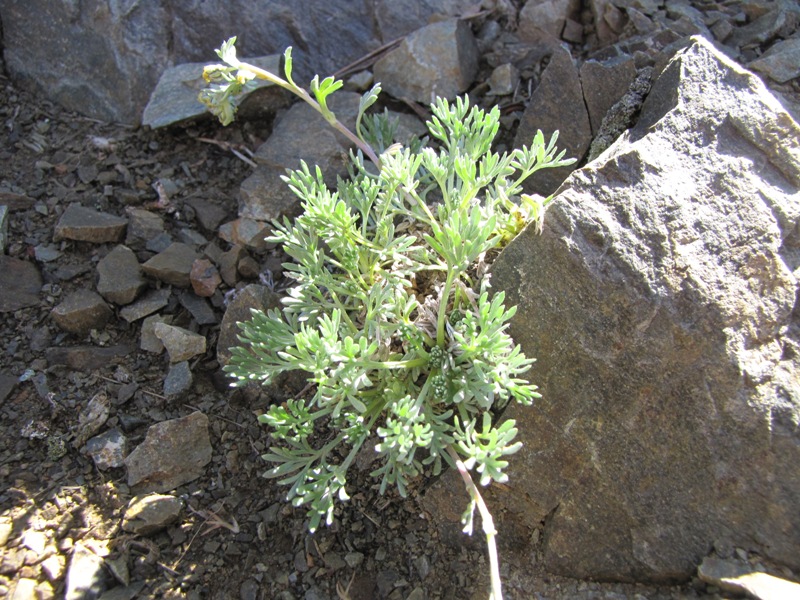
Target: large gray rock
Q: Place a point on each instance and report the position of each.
(440, 59)
(660, 301)
(103, 59)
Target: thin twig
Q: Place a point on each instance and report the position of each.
(368, 59)
(230, 147)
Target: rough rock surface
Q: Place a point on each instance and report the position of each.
(253, 296)
(81, 311)
(173, 453)
(659, 302)
(88, 225)
(150, 513)
(20, 281)
(557, 105)
(438, 60)
(119, 276)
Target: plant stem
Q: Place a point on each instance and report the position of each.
(486, 521)
(448, 284)
(304, 95)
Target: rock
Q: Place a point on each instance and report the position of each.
(621, 115)
(204, 277)
(253, 296)
(91, 418)
(143, 225)
(740, 578)
(764, 29)
(174, 98)
(20, 284)
(25, 589)
(208, 214)
(150, 513)
(3, 228)
(84, 224)
(81, 311)
(173, 453)
(546, 15)
(148, 340)
(397, 18)
(131, 46)
(7, 384)
(249, 268)
(199, 308)
(440, 59)
(604, 84)
(181, 344)
(119, 276)
(146, 305)
(229, 263)
(556, 104)
(86, 358)
(107, 449)
(173, 265)
(659, 302)
(178, 380)
(86, 577)
(780, 63)
(504, 80)
(301, 135)
(603, 12)
(255, 194)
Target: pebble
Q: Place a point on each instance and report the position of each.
(82, 311)
(150, 513)
(199, 308)
(144, 225)
(173, 265)
(86, 576)
(84, 224)
(147, 305)
(148, 340)
(20, 283)
(107, 449)
(181, 344)
(86, 358)
(178, 380)
(119, 276)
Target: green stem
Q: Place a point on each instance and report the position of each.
(486, 521)
(304, 95)
(448, 284)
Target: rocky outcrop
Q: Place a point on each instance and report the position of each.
(660, 301)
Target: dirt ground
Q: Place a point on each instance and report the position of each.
(235, 537)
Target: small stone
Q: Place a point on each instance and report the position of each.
(248, 267)
(173, 453)
(91, 418)
(354, 559)
(208, 214)
(20, 283)
(53, 567)
(88, 225)
(150, 513)
(147, 305)
(25, 589)
(119, 276)
(190, 237)
(199, 308)
(86, 577)
(3, 228)
(740, 578)
(228, 264)
(504, 80)
(204, 277)
(173, 265)
(722, 29)
(762, 30)
(148, 340)
(547, 15)
(249, 590)
(248, 232)
(780, 63)
(143, 225)
(34, 540)
(46, 253)
(108, 449)
(178, 380)
(334, 561)
(81, 311)
(6, 527)
(573, 32)
(181, 344)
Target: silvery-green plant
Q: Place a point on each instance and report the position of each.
(390, 314)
